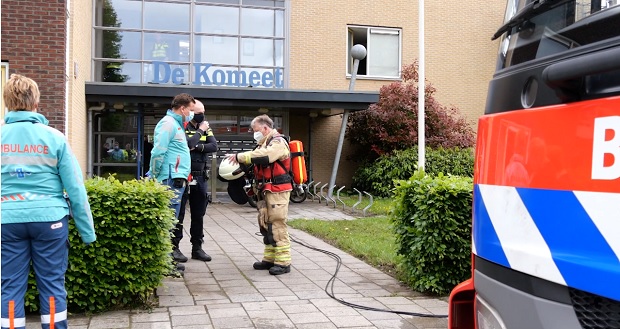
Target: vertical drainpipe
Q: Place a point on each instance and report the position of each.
(67, 67)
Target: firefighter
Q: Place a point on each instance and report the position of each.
(272, 165)
(37, 165)
(201, 143)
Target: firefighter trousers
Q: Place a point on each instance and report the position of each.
(46, 245)
(275, 235)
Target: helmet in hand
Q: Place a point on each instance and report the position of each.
(230, 171)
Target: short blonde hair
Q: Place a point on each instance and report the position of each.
(21, 93)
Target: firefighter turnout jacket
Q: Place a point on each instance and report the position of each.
(272, 163)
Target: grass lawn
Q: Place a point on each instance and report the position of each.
(370, 239)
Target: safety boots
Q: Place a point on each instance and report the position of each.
(262, 265)
(273, 268)
(199, 254)
(178, 256)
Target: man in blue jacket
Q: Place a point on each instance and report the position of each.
(170, 158)
(37, 167)
(201, 143)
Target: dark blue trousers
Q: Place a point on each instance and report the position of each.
(46, 245)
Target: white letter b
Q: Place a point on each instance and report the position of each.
(601, 147)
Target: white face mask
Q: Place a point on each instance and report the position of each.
(190, 116)
(258, 136)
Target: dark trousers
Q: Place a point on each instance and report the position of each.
(197, 198)
(46, 245)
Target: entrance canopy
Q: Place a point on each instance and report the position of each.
(256, 97)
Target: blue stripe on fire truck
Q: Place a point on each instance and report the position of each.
(490, 245)
(562, 236)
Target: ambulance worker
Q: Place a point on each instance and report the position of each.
(37, 166)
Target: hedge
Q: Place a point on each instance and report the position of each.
(432, 222)
(131, 256)
(378, 178)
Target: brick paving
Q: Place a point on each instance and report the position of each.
(228, 293)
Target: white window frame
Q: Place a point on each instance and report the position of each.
(377, 30)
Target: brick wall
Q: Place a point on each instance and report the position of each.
(460, 56)
(34, 44)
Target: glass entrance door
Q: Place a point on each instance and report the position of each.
(117, 138)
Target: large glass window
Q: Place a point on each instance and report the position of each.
(257, 52)
(216, 50)
(120, 13)
(216, 19)
(188, 41)
(259, 22)
(166, 16)
(121, 44)
(383, 46)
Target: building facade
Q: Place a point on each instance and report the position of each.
(108, 69)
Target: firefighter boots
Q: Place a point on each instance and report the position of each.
(277, 269)
(262, 265)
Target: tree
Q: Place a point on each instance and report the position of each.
(112, 71)
(392, 123)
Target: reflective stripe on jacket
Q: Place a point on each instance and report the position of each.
(271, 149)
(37, 167)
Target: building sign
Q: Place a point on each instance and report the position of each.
(207, 75)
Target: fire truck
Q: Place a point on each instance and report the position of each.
(546, 211)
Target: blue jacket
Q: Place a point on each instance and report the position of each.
(170, 149)
(37, 164)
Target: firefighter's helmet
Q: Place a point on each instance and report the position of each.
(230, 171)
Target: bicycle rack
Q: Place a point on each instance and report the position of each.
(316, 194)
(338, 198)
(359, 200)
(370, 204)
(308, 190)
(323, 195)
(328, 198)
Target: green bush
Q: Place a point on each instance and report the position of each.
(132, 252)
(378, 178)
(432, 222)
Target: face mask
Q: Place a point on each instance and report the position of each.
(189, 117)
(198, 118)
(258, 136)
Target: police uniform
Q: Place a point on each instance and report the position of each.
(201, 144)
(272, 164)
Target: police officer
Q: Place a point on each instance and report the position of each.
(201, 142)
